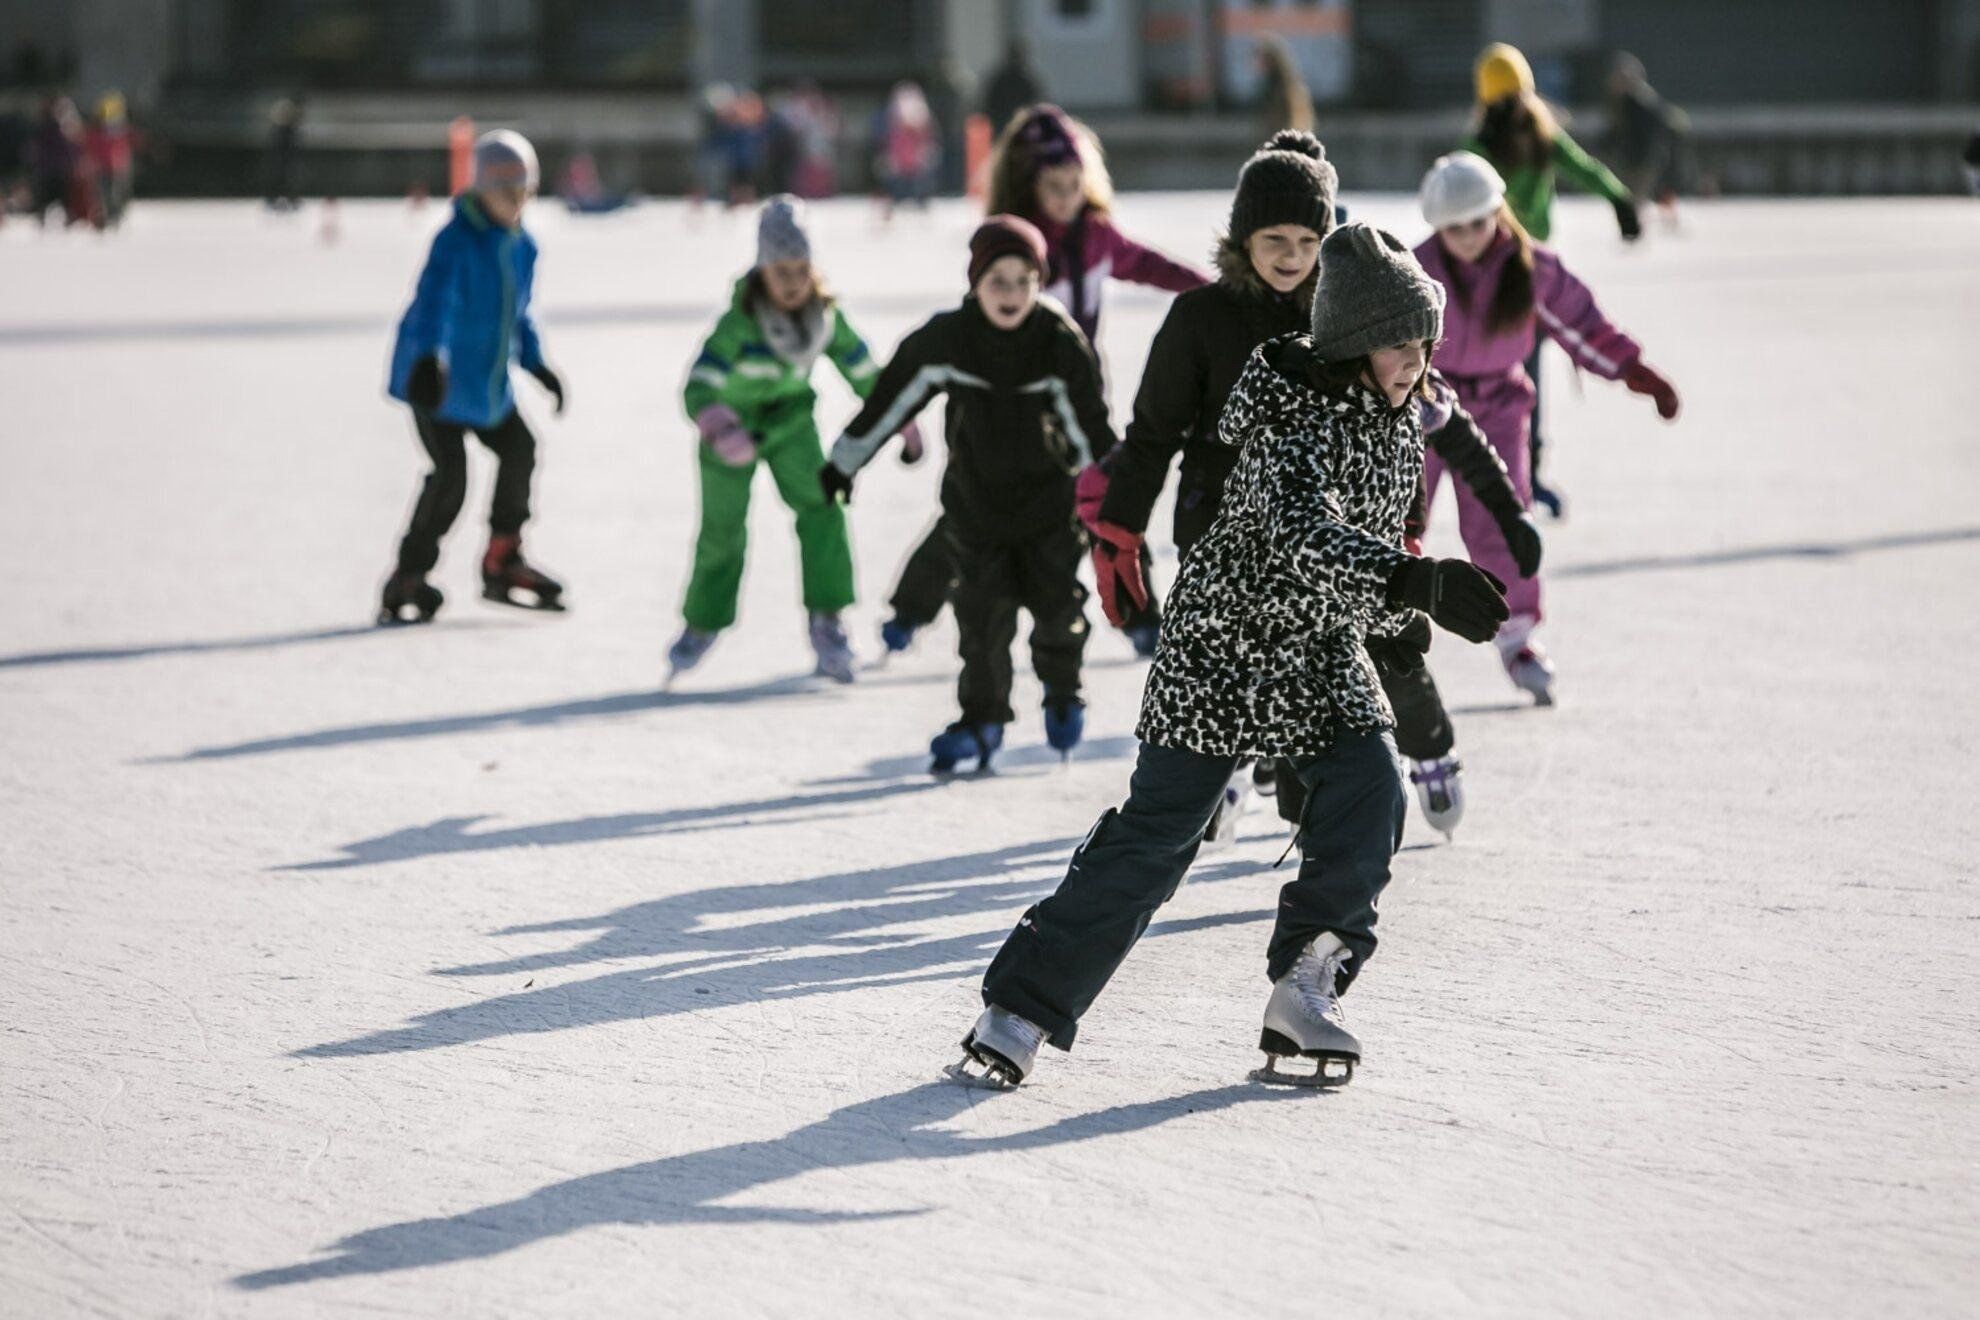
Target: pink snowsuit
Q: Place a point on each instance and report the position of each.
(1488, 370)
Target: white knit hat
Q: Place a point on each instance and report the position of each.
(1460, 188)
(504, 147)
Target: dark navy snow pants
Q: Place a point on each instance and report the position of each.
(1067, 947)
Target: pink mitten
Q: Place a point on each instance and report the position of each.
(912, 445)
(722, 431)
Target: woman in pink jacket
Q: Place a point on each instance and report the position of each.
(1504, 290)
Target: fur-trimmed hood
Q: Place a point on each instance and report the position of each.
(1235, 272)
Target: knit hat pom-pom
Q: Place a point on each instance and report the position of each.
(1298, 141)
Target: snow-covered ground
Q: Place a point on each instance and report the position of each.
(459, 971)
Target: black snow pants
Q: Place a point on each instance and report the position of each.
(1066, 948)
(1001, 572)
(440, 498)
(929, 581)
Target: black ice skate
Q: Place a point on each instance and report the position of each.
(409, 598)
(1303, 1019)
(1001, 1043)
(507, 578)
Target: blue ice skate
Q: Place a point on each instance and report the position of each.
(960, 741)
(1144, 636)
(897, 636)
(1065, 723)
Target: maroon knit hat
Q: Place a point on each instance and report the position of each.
(1005, 236)
(1047, 138)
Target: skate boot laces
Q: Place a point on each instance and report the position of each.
(1314, 978)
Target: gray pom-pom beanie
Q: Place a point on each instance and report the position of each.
(781, 233)
(1373, 293)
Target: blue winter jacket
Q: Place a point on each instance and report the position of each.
(471, 309)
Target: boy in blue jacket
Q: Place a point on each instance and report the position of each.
(468, 320)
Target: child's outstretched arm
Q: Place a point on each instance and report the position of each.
(1144, 265)
(1567, 313)
(851, 356)
(919, 371)
(1591, 175)
(1165, 411)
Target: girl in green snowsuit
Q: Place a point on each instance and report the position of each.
(750, 396)
(1513, 128)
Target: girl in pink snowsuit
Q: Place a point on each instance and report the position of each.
(1503, 291)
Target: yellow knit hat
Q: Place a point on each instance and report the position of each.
(1501, 72)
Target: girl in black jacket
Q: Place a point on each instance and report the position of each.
(1024, 415)
(1265, 652)
(1267, 268)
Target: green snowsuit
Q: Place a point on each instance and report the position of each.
(1530, 188)
(771, 393)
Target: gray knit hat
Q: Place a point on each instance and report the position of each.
(781, 233)
(1373, 293)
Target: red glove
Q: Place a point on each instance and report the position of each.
(1089, 493)
(1117, 568)
(1645, 379)
(912, 445)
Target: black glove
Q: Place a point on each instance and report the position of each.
(838, 487)
(1523, 539)
(1402, 651)
(427, 384)
(1632, 228)
(548, 380)
(1458, 596)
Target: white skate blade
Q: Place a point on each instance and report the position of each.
(990, 1079)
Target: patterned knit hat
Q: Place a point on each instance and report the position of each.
(1005, 236)
(1287, 182)
(1047, 138)
(781, 231)
(1373, 293)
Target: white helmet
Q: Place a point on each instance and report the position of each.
(1460, 188)
(500, 148)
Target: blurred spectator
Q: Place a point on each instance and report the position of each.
(814, 126)
(950, 90)
(711, 152)
(1012, 87)
(280, 165)
(15, 132)
(108, 148)
(1648, 138)
(57, 173)
(907, 147)
(748, 130)
(780, 144)
(583, 190)
(1285, 102)
(1972, 161)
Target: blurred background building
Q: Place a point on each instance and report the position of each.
(1783, 95)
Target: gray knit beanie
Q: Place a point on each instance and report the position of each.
(1373, 293)
(781, 234)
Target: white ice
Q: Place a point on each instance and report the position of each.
(457, 971)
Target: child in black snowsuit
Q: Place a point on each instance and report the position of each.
(1024, 416)
(1266, 652)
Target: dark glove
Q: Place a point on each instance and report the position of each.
(427, 384)
(912, 445)
(1643, 378)
(1523, 539)
(1117, 570)
(1402, 652)
(549, 381)
(838, 487)
(1458, 596)
(1627, 221)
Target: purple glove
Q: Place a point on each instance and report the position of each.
(722, 431)
(912, 445)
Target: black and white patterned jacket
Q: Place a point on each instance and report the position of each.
(1264, 648)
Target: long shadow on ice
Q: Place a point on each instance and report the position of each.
(856, 929)
(210, 646)
(1755, 553)
(803, 686)
(689, 1188)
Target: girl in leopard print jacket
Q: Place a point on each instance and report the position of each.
(1265, 653)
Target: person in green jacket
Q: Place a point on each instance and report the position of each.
(1514, 129)
(749, 393)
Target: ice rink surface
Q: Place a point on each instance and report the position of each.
(459, 971)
